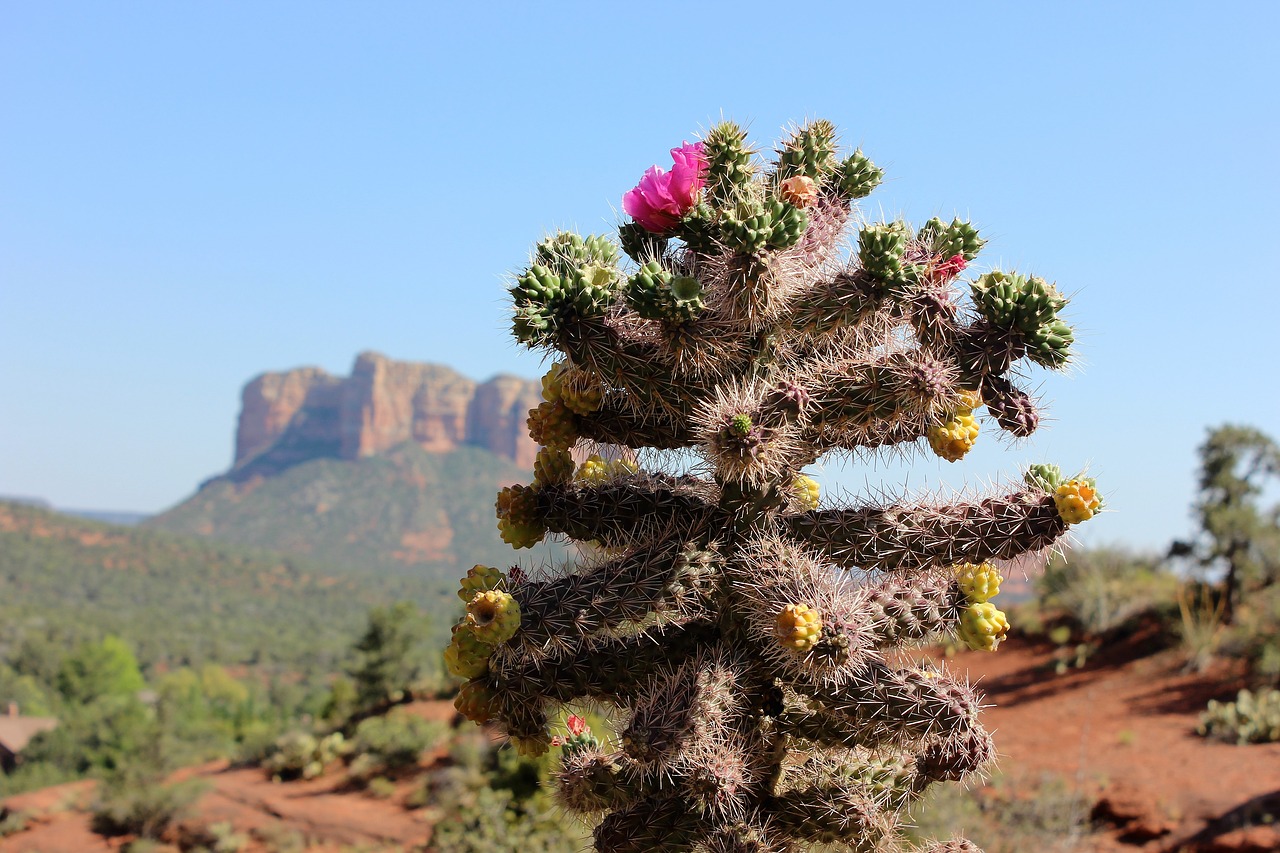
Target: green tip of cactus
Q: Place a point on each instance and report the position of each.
(955, 238)
(740, 425)
(857, 177)
(729, 168)
(809, 152)
(1046, 477)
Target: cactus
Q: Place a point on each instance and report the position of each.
(743, 636)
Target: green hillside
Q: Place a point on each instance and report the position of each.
(183, 600)
(407, 510)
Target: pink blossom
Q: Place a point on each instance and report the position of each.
(951, 267)
(577, 725)
(661, 198)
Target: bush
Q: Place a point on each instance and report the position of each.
(142, 807)
(1255, 635)
(482, 803)
(1102, 590)
(394, 741)
(12, 822)
(1252, 718)
(1004, 817)
(299, 755)
(382, 788)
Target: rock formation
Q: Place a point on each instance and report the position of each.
(293, 416)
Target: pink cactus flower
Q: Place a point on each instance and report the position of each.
(661, 198)
(577, 725)
(950, 268)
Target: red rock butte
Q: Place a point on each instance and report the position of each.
(295, 415)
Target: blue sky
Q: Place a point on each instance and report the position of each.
(193, 193)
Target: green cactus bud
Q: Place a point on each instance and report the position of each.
(857, 176)
(640, 243)
(756, 226)
(809, 152)
(657, 294)
(881, 249)
(1050, 344)
(729, 168)
(956, 238)
(1047, 477)
(565, 252)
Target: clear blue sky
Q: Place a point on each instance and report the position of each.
(193, 193)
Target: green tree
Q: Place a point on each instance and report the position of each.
(95, 670)
(1237, 535)
(392, 655)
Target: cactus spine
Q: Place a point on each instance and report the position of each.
(741, 633)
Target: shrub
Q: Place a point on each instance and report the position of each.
(12, 822)
(1101, 590)
(299, 755)
(141, 806)
(1252, 718)
(393, 741)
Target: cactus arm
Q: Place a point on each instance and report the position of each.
(557, 614)
(614, 424)
(653, 823)
(610, 668)
(627, 510)
(591, 781)
(837, 811)
(905, 538)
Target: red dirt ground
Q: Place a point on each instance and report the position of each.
(1120, 729)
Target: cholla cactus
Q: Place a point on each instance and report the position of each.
(742, 634)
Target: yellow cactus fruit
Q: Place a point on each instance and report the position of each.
(582, 397)
(955, 437)
(979, 582)
(466, 656)
(531, 747)
(518, 519)
(475, 702)
(552, 425)
(1077, 500)
(798, 627)
(493, 616)
(480, 579)
(969, 401)
(593, 471)
(808, 491)
(623, 468)
(982, 626)
(553, 382)
(552, 465)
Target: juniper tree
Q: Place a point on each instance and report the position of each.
(743, 633)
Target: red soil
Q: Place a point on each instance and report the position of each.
(1121, 729)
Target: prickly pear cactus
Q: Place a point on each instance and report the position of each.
(743, 634)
